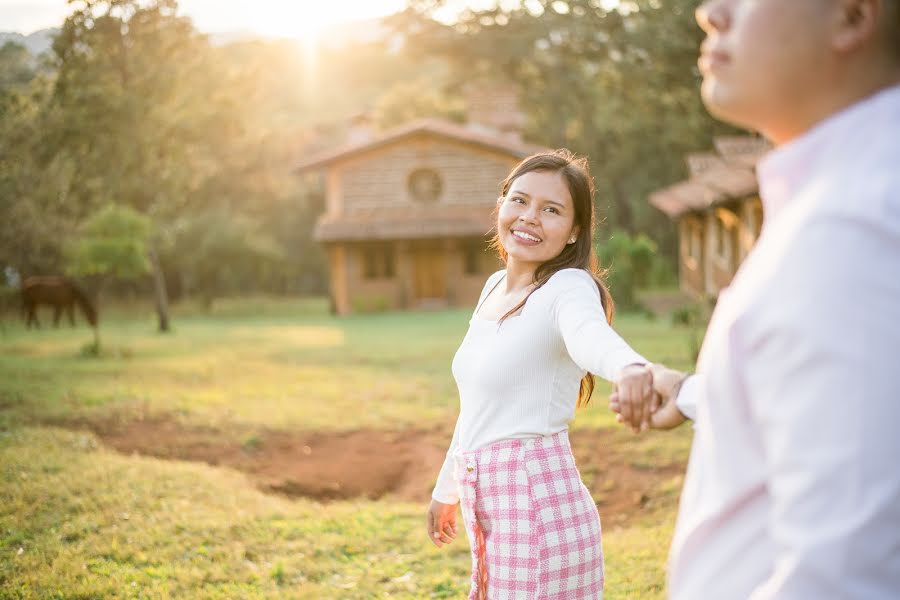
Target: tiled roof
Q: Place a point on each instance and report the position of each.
(702, 161)
(395, 224)
(737, 146)
(438, 127)
(715, 178)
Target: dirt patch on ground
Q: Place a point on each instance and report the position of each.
(375, 464)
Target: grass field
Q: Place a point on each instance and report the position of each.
(148, 471)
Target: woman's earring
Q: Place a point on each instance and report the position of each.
(572, 241)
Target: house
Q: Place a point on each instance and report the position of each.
(409, 212)
(718, 212)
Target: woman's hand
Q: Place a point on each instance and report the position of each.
(664, 413)
(635, 399)
(441, 523)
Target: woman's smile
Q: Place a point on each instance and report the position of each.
(525, 237)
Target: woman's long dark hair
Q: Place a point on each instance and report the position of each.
(579, 255)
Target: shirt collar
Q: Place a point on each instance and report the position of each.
(783, 171)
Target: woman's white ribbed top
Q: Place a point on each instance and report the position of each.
(521, 378)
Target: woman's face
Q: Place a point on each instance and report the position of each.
(536, 217)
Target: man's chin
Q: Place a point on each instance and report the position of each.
(723, 103)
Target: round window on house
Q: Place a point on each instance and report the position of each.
(425, 186)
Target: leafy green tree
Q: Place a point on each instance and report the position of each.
(221, 251)
(617, 84)
(113, 242)
(16, 67)
(629, 261)
(409, 100)
(36, 211)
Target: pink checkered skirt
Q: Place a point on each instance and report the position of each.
(532, 524)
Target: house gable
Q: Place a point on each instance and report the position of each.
(419, 173)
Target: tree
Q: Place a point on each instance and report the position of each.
(409, 100)
(142, 114)
(113, 242)
(220, 251)
(36, 210)
(16, 67)
(617, 84)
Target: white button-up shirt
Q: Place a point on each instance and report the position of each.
(793, 486)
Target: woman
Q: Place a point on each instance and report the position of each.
(540, 328)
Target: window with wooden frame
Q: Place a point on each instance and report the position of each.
(378, 261)
(473, 256)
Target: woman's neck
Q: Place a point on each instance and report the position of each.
(519, 275)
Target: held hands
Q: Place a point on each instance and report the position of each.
(635, 398)
(644, 397)
(441, 523)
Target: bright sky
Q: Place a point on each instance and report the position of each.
(303, 19)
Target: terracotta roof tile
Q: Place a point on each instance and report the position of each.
(702, 161)
(734, 146)
(438, 127)
(405, 224)
(715, 178)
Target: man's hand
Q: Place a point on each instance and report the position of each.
(441, 523)
(663, 412)
(667, 383)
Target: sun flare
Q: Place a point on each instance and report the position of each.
(309, 20)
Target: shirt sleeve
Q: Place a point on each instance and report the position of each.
(686, 401)
(446, 490)
(590, 341)
(824, 384)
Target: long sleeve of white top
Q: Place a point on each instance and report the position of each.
(446, 490)
(569, 332)
(590, 340)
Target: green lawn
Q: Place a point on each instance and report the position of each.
(78, 520)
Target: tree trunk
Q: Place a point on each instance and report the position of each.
(159, 288)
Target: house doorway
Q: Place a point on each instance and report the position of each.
(429, 275)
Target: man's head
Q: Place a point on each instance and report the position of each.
(780, 66)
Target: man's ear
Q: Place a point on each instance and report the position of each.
(858, 22)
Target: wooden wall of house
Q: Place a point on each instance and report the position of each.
(361, 284)
(338, 264)
(713, 244)
(380, 178)
(373, 291)
(722, 248)
(471, 271)
(751, 215)
(692, 244)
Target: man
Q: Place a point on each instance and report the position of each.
(793, 485)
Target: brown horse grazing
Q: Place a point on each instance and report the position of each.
(60, 293)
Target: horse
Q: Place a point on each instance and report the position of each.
(60, 293)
